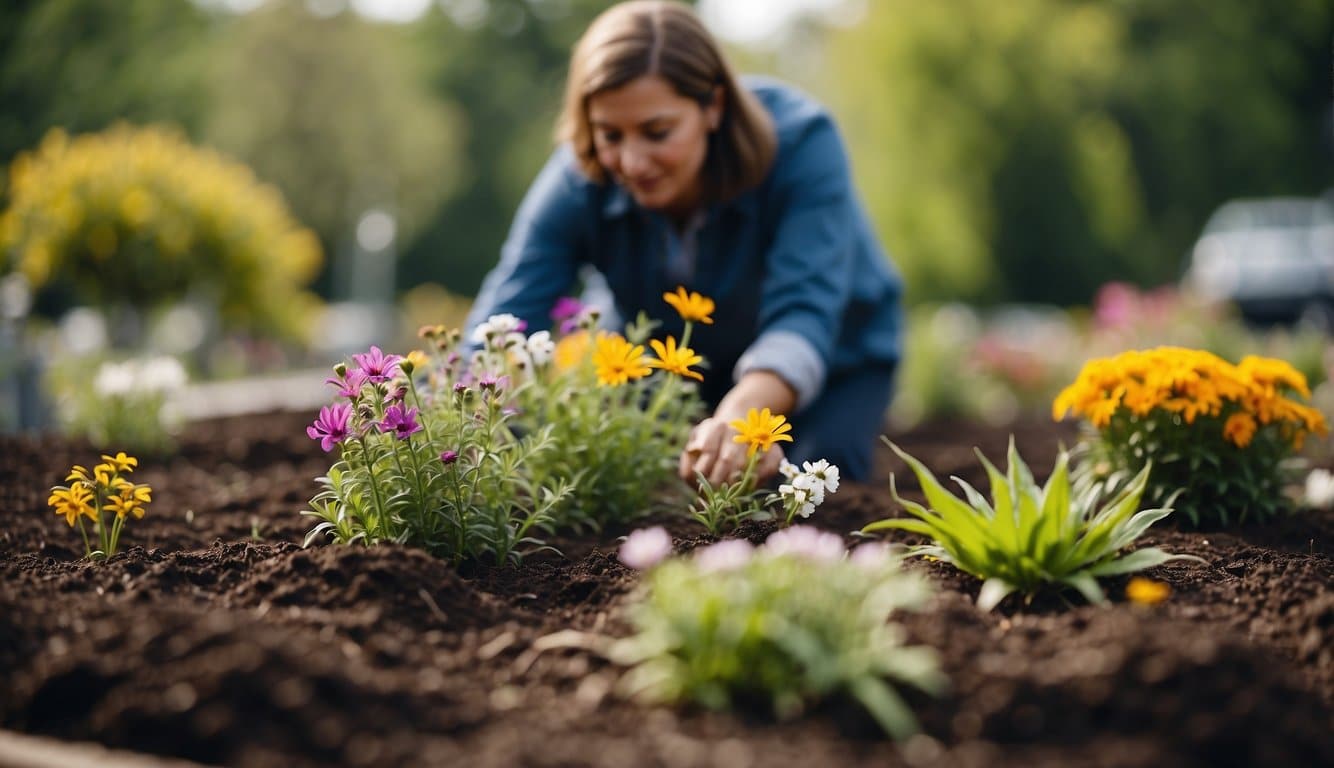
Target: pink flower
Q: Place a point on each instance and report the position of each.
(646, 547)
(330, 427)
(566, 307)
(401, 423)
(871, 555)
(376, 365)
(726, 555)
(805, 541)
(449, 457)
(349, 384)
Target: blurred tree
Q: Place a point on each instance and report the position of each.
(1031, 150)
(82, 64)
(337, 111)
(504, 63)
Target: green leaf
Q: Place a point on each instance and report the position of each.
(1087, 586)
(1137, 561)
(993, 591)
(886, 706)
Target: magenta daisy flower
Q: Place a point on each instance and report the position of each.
(399, 422)
(330, 427)
(376, 365)
(349, 384)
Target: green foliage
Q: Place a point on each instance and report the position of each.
(1224, 434)
(338, 112)
(456, 486)
(789, 624)
(1030, 151)
(118, 402)
(139, 217)
(1028, 536)
(621, 443)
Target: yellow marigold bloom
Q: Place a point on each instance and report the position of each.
(571, 350)
(617, 361)
(1239, 429)
(691, 306)
(121, 462)
(760, 430)
(1147, 591)
(130, 500)
(72, 502)
(674, 359)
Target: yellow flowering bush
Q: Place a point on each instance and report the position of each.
(1221, 432)
(138, 216)
(106, 497)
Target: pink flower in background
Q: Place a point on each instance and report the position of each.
(376, 366)
(566, 312)
(805, 541)
(400, 422)
(1116, 305)
(448, 457)
(646, 547)
(330, 427)
(726, 555)
(349, 384)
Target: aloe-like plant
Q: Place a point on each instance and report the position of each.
(1027, 535)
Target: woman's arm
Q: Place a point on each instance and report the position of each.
(805, 290)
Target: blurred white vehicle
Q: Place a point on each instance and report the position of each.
(1273, 257)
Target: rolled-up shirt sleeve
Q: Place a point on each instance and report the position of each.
(540, 257)
(808, 269)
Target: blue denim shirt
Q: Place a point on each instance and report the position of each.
(802, 286)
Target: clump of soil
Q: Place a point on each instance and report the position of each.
(215, 637)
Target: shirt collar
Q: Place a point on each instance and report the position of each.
(618, 203)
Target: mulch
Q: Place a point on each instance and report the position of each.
(215, 637)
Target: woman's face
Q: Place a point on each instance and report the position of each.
(653, 141)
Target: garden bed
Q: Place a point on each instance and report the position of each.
(216, 638)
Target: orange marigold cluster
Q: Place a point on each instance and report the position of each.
(1192, 383)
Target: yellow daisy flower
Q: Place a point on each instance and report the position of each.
(617, 361)
(691, 306)
(674, 359)
(121, 462)
(72, 502)
(760, 430)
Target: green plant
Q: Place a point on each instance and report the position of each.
(787, 624)
(138, 217)
(440, 470)
(121, 403)
(1027, 535)
(106, 496)
(1223, 433)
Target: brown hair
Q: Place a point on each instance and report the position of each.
(667, 39)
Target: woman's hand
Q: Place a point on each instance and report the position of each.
(711, 452)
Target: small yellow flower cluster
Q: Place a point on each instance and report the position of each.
(617, 361)
(1190, 383)
(96, 495)
(140, 214)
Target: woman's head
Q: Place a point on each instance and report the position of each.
(651, 102)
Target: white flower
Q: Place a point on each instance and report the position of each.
(114, 379)
(646, 547)
(1319, 489)
(541, 347)
(161, 374)
(788, 469)
(726, 555)
(805, 541)
(794, 496)
(496, 326)
(823, 471)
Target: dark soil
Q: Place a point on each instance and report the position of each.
(215, 637)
